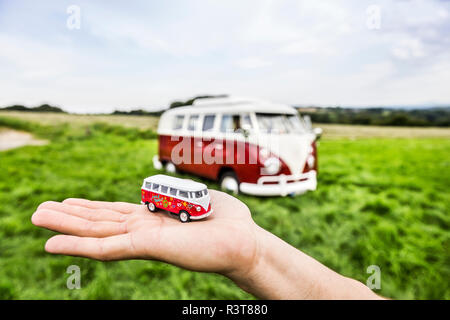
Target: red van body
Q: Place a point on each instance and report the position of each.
(241, 153)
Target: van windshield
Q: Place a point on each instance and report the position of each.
(279, 123)
(199, 194)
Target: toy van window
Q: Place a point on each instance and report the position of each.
(155, 187)
(178, 123)
(164, 189)
(197, 194)
(205, 192)
(148, 185)
(192, 124)
(173, 191)
(208, 122)
(183, 194)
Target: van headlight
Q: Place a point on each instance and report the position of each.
(272, 166)
(198, 209)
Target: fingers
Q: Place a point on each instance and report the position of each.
(69, 224)
(84, 212)
(123, 207)
(110, 248)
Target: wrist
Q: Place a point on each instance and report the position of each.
(268, 275)
(280, 271)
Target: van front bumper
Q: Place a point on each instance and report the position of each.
(202, 215)
(279, 185)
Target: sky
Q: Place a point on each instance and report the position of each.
(98, 56)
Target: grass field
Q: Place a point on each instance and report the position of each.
(381, 201)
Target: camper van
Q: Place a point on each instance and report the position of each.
(247, 145)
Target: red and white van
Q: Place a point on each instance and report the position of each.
(248, 145)
(188, 199)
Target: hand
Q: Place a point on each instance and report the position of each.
(224, 242)
(227, 242)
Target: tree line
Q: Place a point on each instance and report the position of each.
(41, 108)
(436, 117)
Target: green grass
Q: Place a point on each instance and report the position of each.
(380, 201)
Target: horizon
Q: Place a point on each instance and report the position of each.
(297, 106)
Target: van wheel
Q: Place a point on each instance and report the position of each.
(184, 216)
(229, 182)
(170, 167)
(151, 207)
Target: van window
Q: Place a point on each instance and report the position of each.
(205, 192)
(173, 191)
(296, 124)
(277, 123)
(164, 189)
(155, 187)
(208, 122)
(197, 194)
(183, 194)
(148, 185)
(192, 124)
(230, 123)
(178, 123)
(234, 123)
(246, 121)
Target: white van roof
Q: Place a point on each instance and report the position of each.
(233, 105)
(178, 183)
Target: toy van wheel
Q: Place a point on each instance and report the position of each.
(229, 182)
(170, 167)
(151, 207)
(184, 216)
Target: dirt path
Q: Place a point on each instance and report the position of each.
(10, 139)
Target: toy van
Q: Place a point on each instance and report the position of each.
(259, 148)
(188, 199)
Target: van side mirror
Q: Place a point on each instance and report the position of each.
(318, 132)
(246, 130)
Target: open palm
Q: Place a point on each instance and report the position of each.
(223, 242)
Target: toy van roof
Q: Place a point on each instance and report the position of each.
(174, 182)
(232, 105)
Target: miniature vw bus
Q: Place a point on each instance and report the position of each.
(188, 199)
(247, 145)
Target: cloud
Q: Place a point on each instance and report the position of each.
(409, 48)
(253, 63)
(33, 60)
(152, 53)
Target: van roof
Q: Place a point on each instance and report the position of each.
(233, 105)
(178, 183)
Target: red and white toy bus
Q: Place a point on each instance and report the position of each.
(272, 149)
(188, 199)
